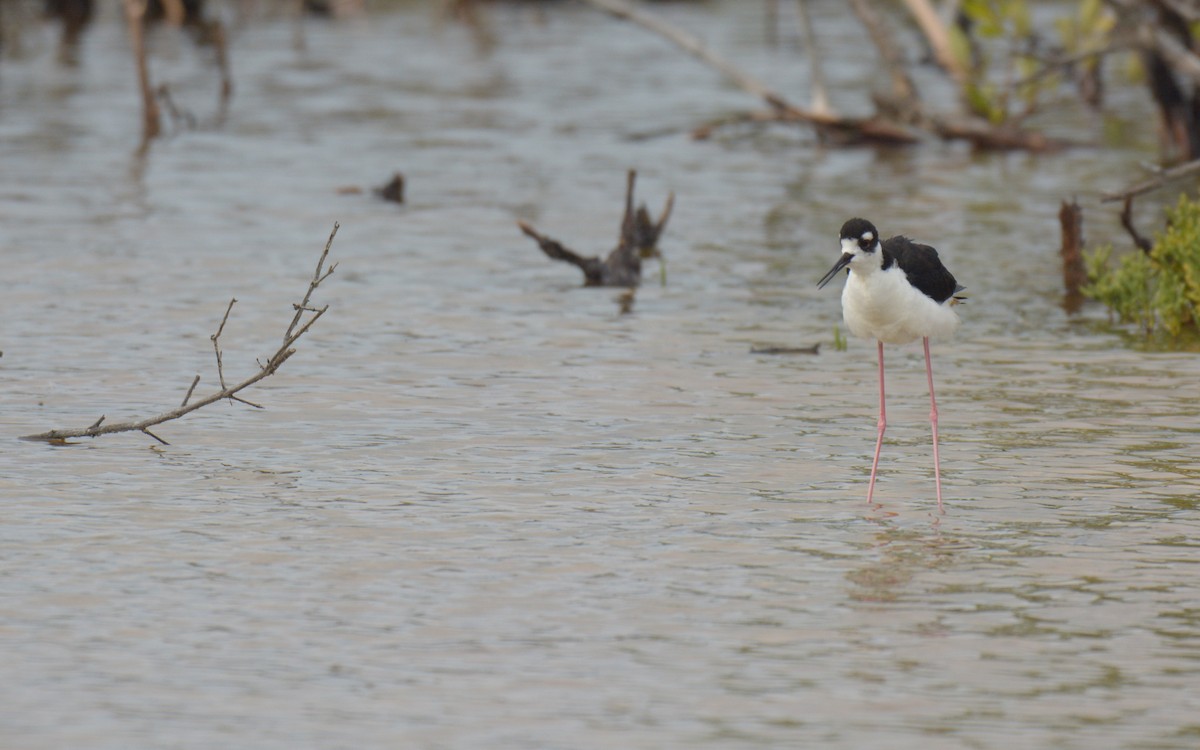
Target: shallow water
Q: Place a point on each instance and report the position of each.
(484, 509)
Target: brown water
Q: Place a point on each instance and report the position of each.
(482, 508)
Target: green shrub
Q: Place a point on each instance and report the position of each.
(1158, 290)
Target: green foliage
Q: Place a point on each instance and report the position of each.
(1159, 290)
(1005, 75)
(1004, 26)
(1088, 30)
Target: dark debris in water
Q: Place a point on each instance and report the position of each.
(814, 349)
(623, 266)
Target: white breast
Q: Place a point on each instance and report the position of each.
(882, 305)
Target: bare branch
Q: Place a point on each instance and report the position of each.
(215, 338)
(187, 396)
(696, 48)
(1162, 178)
(230, 392)
(317, 278)
(623, 265)
(938, 36)
(1144, 243)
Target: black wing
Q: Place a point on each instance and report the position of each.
(921, 265)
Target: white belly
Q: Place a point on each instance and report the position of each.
(884, 306)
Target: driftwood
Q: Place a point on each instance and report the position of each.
(297, 328)
(622, 266)
(900, 122)
(826, 122)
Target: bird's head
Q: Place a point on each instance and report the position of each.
(859, 238)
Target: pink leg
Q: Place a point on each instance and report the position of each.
(933, 420)
(882, 426)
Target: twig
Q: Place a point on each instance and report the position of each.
(187, 396)
(1162, 178)
(1144, 243)
(215, 338)
(285, 351)
(317, 278)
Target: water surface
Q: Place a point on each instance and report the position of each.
(484, 509)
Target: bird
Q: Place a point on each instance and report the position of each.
(897, 291)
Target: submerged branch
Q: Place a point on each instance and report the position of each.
(276, 360)
(623, 265)
(696, 48)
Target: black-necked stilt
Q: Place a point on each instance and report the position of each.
(897, 292)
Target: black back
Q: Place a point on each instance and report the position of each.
(921, 265)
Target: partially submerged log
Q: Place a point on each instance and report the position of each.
(622, 266)
(904, 121)
(1070, 218)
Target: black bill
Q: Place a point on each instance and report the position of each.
(842, 263)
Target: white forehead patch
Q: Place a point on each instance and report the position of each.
(868, 236)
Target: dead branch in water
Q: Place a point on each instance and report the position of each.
(898, 123)
(622, 266)
(298, 327)
(135, 16)
(1070, 218)
(1143, 243)
(826, 121)
(1154, 183)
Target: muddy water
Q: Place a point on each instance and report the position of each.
(482, 508)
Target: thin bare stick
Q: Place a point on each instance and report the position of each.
(188, 395)
(216, 343)
(317, 278)
(1144, 243)
(1162, 178)
(247, 403)
(295, 330)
